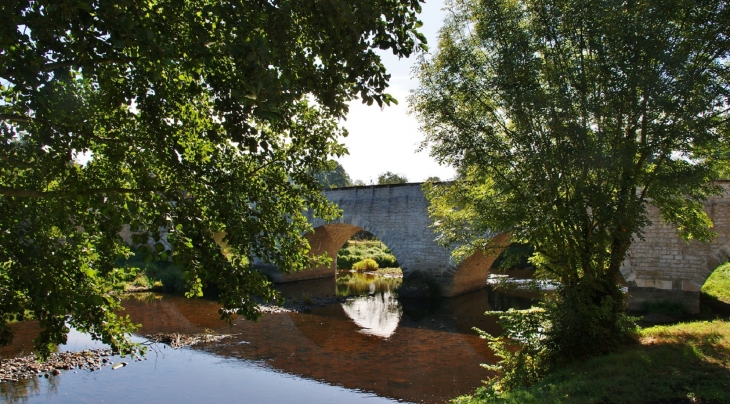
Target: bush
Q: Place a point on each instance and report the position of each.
(368, 264)
(522, 349)
(172, 280)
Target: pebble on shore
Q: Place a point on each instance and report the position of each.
(28, 366)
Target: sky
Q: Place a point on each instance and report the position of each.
(387, 139)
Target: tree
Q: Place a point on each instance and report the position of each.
(566, 121)
(336, 177)
(195, 116)
(391, 178)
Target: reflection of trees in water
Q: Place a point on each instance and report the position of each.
(377, 315)
(356, 284)
(502, 299)
(18, 392)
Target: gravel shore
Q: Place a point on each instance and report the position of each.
(28, 366)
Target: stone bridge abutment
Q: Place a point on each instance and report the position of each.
(664, 267)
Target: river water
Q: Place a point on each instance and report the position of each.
(372, 348)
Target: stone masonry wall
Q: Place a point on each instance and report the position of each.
(663, 264)
(397, 215)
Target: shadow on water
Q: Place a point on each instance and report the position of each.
(373, 343)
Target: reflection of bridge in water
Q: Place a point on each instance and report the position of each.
(331, 344)
(660, 267)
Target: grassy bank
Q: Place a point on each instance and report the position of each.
(354, 251)
(717, 286)
(688, 362)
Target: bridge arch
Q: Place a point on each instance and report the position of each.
(330, 237)
(718, 256)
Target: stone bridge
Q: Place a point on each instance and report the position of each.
(660, 267)
(398, 215)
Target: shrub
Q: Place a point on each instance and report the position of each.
(142, 280)
(368, 264)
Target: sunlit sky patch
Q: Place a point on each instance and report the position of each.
(387, 139)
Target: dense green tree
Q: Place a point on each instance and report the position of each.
(196, 116)
(334, 176)
(391, 178)
(567, 121)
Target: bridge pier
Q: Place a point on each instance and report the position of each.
(640, 298)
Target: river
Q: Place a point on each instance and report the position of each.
(371, 348)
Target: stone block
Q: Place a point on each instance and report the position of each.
(654, 283)
(691, 286)
(640, 297)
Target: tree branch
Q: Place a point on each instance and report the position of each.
(32, 193)
(69, 63)
(17, 163)
(13, 117)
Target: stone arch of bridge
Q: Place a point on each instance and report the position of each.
(472, 272)
(717, 257)
(329, 239)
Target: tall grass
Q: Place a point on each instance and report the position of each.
(368, 264)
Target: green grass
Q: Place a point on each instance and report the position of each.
(717, 286)
(354, 251)
(688, 361)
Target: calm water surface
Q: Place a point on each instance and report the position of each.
(372, 348)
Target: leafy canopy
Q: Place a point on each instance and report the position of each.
(567, 121)
(195, 116)
(391, 178)
(334, 176)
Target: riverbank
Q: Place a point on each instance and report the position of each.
(682, 363)
(27, 367)
(717, 286)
